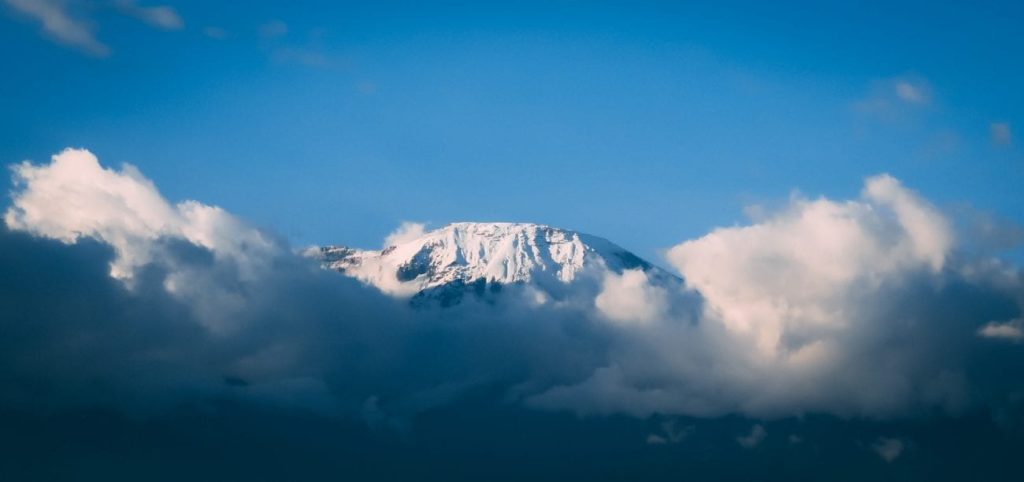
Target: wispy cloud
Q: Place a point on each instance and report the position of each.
(893, 96)
(912, 93)
(160, 16)
(76, 29)
(60, 25)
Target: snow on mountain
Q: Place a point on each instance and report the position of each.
(481, 258)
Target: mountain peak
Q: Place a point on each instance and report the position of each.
(485, 253)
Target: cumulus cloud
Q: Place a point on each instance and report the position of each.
(176, 302)
(631, 298)
(856, 308)
(61, 25)
(75, 197)
(853, 308)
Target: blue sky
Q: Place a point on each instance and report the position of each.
(648, 124)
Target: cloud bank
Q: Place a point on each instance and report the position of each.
(858, 308)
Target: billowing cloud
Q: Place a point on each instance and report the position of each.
(856, 308)
(630, 297)
(853, 308)
(75, 197)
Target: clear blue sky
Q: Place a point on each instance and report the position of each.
(647, 124)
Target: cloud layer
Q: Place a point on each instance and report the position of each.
(864, 307)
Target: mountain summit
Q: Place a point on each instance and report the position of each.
(483, 257)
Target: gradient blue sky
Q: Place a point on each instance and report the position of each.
(331, 122)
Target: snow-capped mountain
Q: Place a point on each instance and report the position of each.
(481, 258)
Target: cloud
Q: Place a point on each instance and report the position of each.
(889, 449)
(855, 308)
(912, 93)
(60, 25)
(118, 297)
(671, 432)
(168, 302)
(895, 97)
(407, 231)
(1012, 330)
(1001, 134)
(796, 271)
(74, 197)
(631, 298)
(754, 438)
(161, 16)
(76, 29)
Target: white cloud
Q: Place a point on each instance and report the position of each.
(631, 298)
(797, 270)
(75, 197)
(160, 16)
(889, 449)
(405, 232)
(855, 308)
(76, 29)
(754, 438)
(852, 308)
(1012, 330)
(894, 97)
(59, 24)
